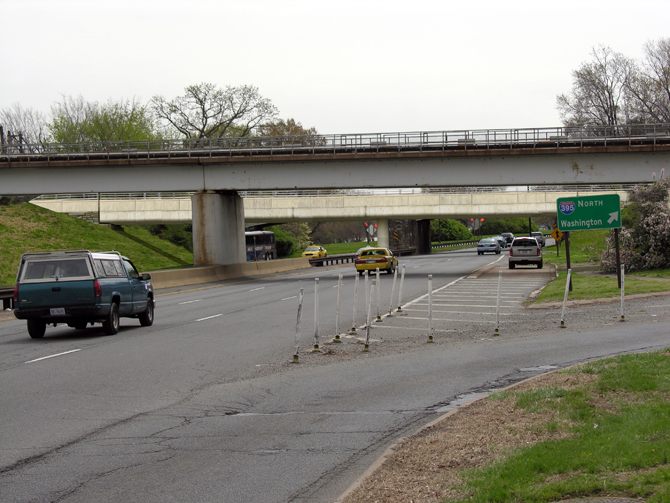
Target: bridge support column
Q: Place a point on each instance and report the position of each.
(218, 228)
(383, 233)
(423, 237)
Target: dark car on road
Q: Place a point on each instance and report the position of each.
(509, 237)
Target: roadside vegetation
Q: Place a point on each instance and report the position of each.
(28, 228)
(608, 424)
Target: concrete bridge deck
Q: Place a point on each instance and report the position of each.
(155, 210)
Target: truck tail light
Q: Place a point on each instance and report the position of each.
(511, 252)
(97, 290)
(539, 251)
(16, 295)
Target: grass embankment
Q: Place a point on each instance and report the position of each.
(585, 250)
(28, 228)
(609, 428)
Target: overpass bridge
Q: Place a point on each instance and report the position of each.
(217, 169)
(319, 206)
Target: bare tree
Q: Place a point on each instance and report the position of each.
(23, 126)
(651, 87)
(599, 95)
(205, 111)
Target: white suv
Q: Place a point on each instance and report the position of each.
(525, 251)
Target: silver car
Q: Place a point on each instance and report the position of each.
(488, 245)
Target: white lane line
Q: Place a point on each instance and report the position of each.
(256, 289)
(289, 298)
(210, 317)
(53, 356)
(189, 302)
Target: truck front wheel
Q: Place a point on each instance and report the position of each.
(36, 328)
(111, 324)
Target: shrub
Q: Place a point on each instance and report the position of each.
(644, 241)
(449, 230)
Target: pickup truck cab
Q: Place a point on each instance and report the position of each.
(78, 288)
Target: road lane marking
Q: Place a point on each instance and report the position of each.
(190, 302)
(210, 317)
(256, 289)
(289, 298)
(53, 356)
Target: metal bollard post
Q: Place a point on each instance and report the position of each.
(379, 289)
(353, 320)
(497, 330)
(430, 308)
(337, 316)
(316, 315)
(402, 281)
(623, 317)
(565, 298)
(366, 275)
(367, 324)
(395, 276)
(297, 326)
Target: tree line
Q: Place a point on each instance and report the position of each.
(203, 111)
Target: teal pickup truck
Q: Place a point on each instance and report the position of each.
(78, 288)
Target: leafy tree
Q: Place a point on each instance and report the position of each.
(206, 111)
(517, 226)
(283, 127)
(78, 121)
(644, 239)
(287, 243)
(449, 230)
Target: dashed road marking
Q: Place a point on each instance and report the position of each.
(53, 356)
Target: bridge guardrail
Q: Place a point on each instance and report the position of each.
(459, 243)
(416, 141)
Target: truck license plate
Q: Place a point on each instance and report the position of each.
(57, 311)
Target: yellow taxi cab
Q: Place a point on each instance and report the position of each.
(369, 259)
(314, 251)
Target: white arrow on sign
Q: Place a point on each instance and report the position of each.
(613, 216)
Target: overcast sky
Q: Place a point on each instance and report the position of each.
(339, 66)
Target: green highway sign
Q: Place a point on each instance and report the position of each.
(588, 212)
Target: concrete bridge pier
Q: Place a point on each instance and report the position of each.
(383, 233)
(218, 228)
(423, 237)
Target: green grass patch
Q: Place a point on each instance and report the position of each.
(617, 426)
(586, 286)
(29, 228)
(585, 247)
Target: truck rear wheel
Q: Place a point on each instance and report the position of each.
(111, 324)
(36, 328)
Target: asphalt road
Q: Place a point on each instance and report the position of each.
(204, 406)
